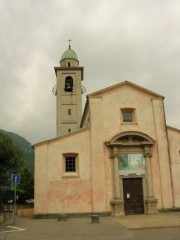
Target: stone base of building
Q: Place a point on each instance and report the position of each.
(166, 210)
(151, 206)
(70, 215)
(117, 207)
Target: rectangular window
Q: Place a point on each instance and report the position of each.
(70, 164)
(69, 111)
(128, 115)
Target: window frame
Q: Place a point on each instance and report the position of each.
(71, 173)
(70, 164)
(128, 110)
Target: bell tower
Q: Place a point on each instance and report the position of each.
(68, 93)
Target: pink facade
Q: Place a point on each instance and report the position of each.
(123, 140)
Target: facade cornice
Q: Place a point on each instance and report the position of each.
(61, 137)
(56, 69)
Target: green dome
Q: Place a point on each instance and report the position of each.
(69, 54)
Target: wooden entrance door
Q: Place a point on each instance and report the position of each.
(133, 196)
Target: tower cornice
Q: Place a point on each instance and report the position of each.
(56, 69)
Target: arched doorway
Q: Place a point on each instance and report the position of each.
(132, 178)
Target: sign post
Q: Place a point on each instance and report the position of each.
(15, 179)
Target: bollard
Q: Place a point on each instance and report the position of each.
(95, 218)
(62, 217)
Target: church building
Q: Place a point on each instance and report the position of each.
(119, 157)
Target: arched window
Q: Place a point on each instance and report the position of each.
(68, 84)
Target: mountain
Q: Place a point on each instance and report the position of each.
(25, 146)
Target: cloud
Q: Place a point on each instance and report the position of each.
(115, 40)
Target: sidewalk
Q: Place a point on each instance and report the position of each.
(160, 220)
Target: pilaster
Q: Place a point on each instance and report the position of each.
(151, 201)
(117, 202)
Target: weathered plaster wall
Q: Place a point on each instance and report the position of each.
(55, 190)
(149, 119)
(41, 180)
(174, 148)
(127, 97)
(101, 168)
(163, 155)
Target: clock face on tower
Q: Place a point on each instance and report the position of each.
(54, 90)
(83, 89)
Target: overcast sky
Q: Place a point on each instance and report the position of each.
(115, 40)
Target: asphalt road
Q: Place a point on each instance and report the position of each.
(81, 229)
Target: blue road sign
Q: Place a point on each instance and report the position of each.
(15, 179)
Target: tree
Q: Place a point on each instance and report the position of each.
(10, 156)
(11, 160)
(25, 189)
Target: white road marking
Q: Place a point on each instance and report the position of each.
(14, 229)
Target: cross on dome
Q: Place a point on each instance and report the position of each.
(69, 40)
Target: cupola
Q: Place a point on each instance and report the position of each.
(69, 58)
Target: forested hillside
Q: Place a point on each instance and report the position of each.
(25, 146)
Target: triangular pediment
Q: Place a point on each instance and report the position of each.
(122, 85)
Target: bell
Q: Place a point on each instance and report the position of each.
(68, 87)
(68, 84)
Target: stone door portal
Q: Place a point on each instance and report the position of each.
(133, 196)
